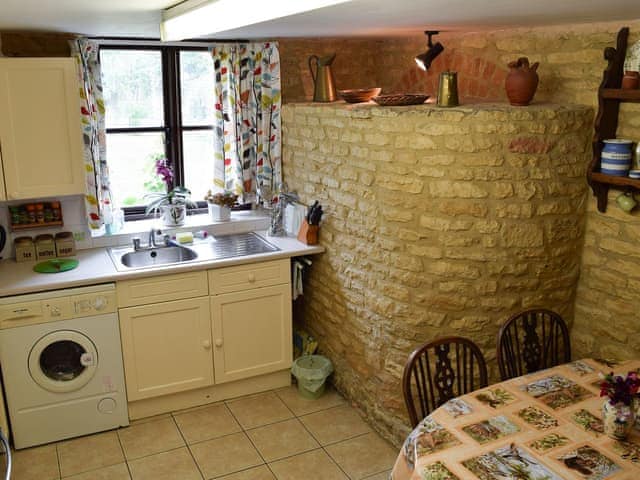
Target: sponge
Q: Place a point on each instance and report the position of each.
(184, 237)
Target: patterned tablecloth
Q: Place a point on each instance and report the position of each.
(542, 426)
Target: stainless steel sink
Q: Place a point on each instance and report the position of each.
(215, 248)
(157, 256)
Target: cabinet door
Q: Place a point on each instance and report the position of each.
(166, 347)
(251, 332)
(40, 128)
(3, 195)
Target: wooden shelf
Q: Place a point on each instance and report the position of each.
(620, 94)
(617, 181)
(27, 226)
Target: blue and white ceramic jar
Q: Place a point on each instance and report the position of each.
(616, 157)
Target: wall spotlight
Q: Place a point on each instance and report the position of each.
(424, 59)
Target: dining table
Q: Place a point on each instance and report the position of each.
(545, 425)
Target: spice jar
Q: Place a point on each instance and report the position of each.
(39, 213)
(45, 247)
(48, 213)
(56, 211)
(31, 213)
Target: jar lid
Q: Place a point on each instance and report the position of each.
(44, 238)
(64, 236)
(23, 240)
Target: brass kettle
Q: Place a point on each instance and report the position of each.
(324, 89)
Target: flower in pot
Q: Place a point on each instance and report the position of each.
(619, 411)
(220, 204)
(173, 202)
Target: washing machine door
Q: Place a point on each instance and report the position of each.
(63, 361)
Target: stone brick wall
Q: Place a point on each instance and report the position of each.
(439, 221)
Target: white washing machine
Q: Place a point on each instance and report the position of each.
(61, 363)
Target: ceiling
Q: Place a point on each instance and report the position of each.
(140, 18)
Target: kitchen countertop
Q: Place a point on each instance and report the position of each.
(96, 267)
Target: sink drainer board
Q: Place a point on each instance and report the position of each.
(224, 246)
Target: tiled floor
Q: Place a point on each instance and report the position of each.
(273, 435)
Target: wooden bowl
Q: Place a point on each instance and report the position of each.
(399, 99)
(358, 95)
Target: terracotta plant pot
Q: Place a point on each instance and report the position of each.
(521, 82)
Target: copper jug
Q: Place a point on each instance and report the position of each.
(324, 89)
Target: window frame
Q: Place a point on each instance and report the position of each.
(173, 127)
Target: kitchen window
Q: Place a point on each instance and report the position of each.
(158, 102)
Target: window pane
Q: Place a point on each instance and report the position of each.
(131, 158)
(132, 82)
(198, 162)
(196, 77)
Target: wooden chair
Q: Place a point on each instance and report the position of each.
(532, 340)
(439, 371)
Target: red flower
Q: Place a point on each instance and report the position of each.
(94, 216)
(84, 111)
(218, 106)
(223, 70)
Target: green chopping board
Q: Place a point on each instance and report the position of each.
(56, 265)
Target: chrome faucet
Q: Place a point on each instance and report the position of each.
(152, 237)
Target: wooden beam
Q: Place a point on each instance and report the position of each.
(36, 44)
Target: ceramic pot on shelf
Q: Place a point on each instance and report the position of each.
(219, 213)
(630, 80)
(618, 419)
(615, 158)
(173, 215)
(521, 82)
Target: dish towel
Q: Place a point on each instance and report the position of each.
(299, 266)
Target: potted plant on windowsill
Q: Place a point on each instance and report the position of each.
(219, 205)
(619, 410)
(172, 204)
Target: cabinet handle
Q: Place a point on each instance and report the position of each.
(251, 277)
(206, 344)
(218, 342)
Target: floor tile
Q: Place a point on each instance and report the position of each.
(225, 455)
(363, 456)
(380, 476)
(259, 410)
(173, 465)
(148, 438)
(206, 423)
(37, 463)
(258, 473)
(282, 439)
(89, 453)
(302, 406)
(335, 424)
(114, 472)
(300, 466)
(140, 421)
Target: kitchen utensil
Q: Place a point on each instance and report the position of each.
(448, 90)
(324, 84)
(400, 99)
(359, 94)
(56, 265)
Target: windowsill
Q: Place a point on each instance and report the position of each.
(241, 221)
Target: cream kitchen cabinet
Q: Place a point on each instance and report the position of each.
(166, 347)
(40, 128)
(251, 332)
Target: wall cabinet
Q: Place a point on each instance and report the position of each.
(40, 128)
(251, 332)
(166, 347)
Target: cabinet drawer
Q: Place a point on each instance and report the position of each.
(162, 289)
(254, 275)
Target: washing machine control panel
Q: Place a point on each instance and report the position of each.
(57, 308)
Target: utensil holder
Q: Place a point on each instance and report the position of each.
(308, 233)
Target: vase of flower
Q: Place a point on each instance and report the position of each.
(219, 205)
(619, 410)
(173, 202)
(173, 215)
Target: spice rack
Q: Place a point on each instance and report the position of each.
(610, 96)
(35, 215)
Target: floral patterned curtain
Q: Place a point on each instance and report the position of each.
(247, 129)
(98, 192)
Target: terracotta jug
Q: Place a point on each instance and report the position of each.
(522, 81)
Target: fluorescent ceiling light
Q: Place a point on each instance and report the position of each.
(195, 18)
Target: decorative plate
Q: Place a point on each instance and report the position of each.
(56, 265)
(400, 99)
